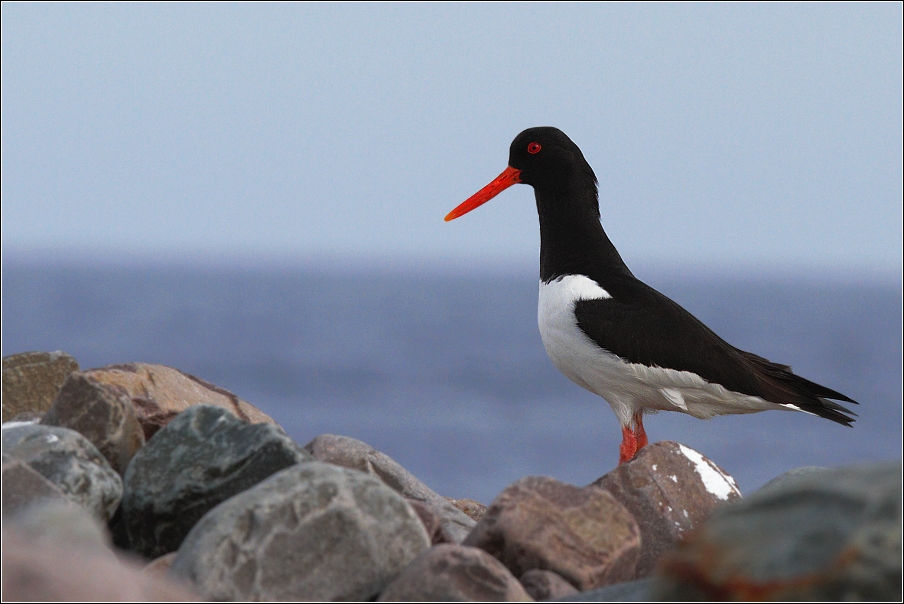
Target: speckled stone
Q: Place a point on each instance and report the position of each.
(314, 531)
(583, 534)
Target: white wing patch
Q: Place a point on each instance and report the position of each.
(673, 395)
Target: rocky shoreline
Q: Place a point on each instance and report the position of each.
(141, 482)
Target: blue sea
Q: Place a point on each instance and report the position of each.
(446, 372)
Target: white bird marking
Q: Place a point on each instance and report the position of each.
(673, 395)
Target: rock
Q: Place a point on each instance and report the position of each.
(640, 590)
(31, 380)
(41, 570)
(455, 573)
(101, 413)
(351, 453)
(584, 535)
(669, 489)
(433, 524)
(313, 531)
(473, 509)
(546, 585)
(831, 536)
(69, 461)
(160, 393)
(201, 458)
(794, 475)
(23, 487)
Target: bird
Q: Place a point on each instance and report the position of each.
(614, 335)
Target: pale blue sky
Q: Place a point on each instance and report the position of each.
(737, 136)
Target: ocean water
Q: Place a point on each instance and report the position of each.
(447, 374)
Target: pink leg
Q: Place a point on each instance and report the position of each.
(634, 438)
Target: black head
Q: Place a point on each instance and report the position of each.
(548, 159)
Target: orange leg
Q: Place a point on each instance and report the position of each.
(634, 438)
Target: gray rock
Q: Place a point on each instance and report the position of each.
(313, 531)
(69, 461)
(832, 535)
(352, 453)
(546, 585)
(101, 413)
(669, 489)
(31, 380)
(201, 458)
(455, 573)
(583, 534)
(793, 475)
(24, 487)
(432, 522)
(640, 590)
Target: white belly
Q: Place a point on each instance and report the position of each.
(627, 387)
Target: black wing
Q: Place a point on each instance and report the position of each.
(641, 325)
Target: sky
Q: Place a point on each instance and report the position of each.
(763, 137)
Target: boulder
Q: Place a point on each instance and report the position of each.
(160, 393)
(101, 413)
(433, 524)
(546, 585)
(31, 380)
(201, 458)
(314, 531)
(24, 487)
(831, 535)
(455, 573)
(670, 489)
(583, 534)
(69, 461)
(352, 453)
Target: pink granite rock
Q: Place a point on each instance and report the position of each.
(583, 534)
(160, 393)
(670, 489)
(455, 573)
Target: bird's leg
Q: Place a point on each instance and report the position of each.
(634, 438)
(639, 431)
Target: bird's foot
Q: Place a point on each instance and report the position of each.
(634, 438)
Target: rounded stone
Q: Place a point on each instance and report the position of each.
(313, 531)
(201, 458)
(70, 461)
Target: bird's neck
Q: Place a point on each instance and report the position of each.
(572, 240)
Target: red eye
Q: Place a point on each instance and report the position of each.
(534, 148)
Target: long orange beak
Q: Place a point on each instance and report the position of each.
(510, 176)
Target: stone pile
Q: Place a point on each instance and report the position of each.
(200, 495)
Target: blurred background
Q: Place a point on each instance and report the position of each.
(254, 194)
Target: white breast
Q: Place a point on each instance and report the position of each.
(627, 387)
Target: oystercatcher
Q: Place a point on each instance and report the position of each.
(618, 337)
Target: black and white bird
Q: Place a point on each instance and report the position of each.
(614, 335)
